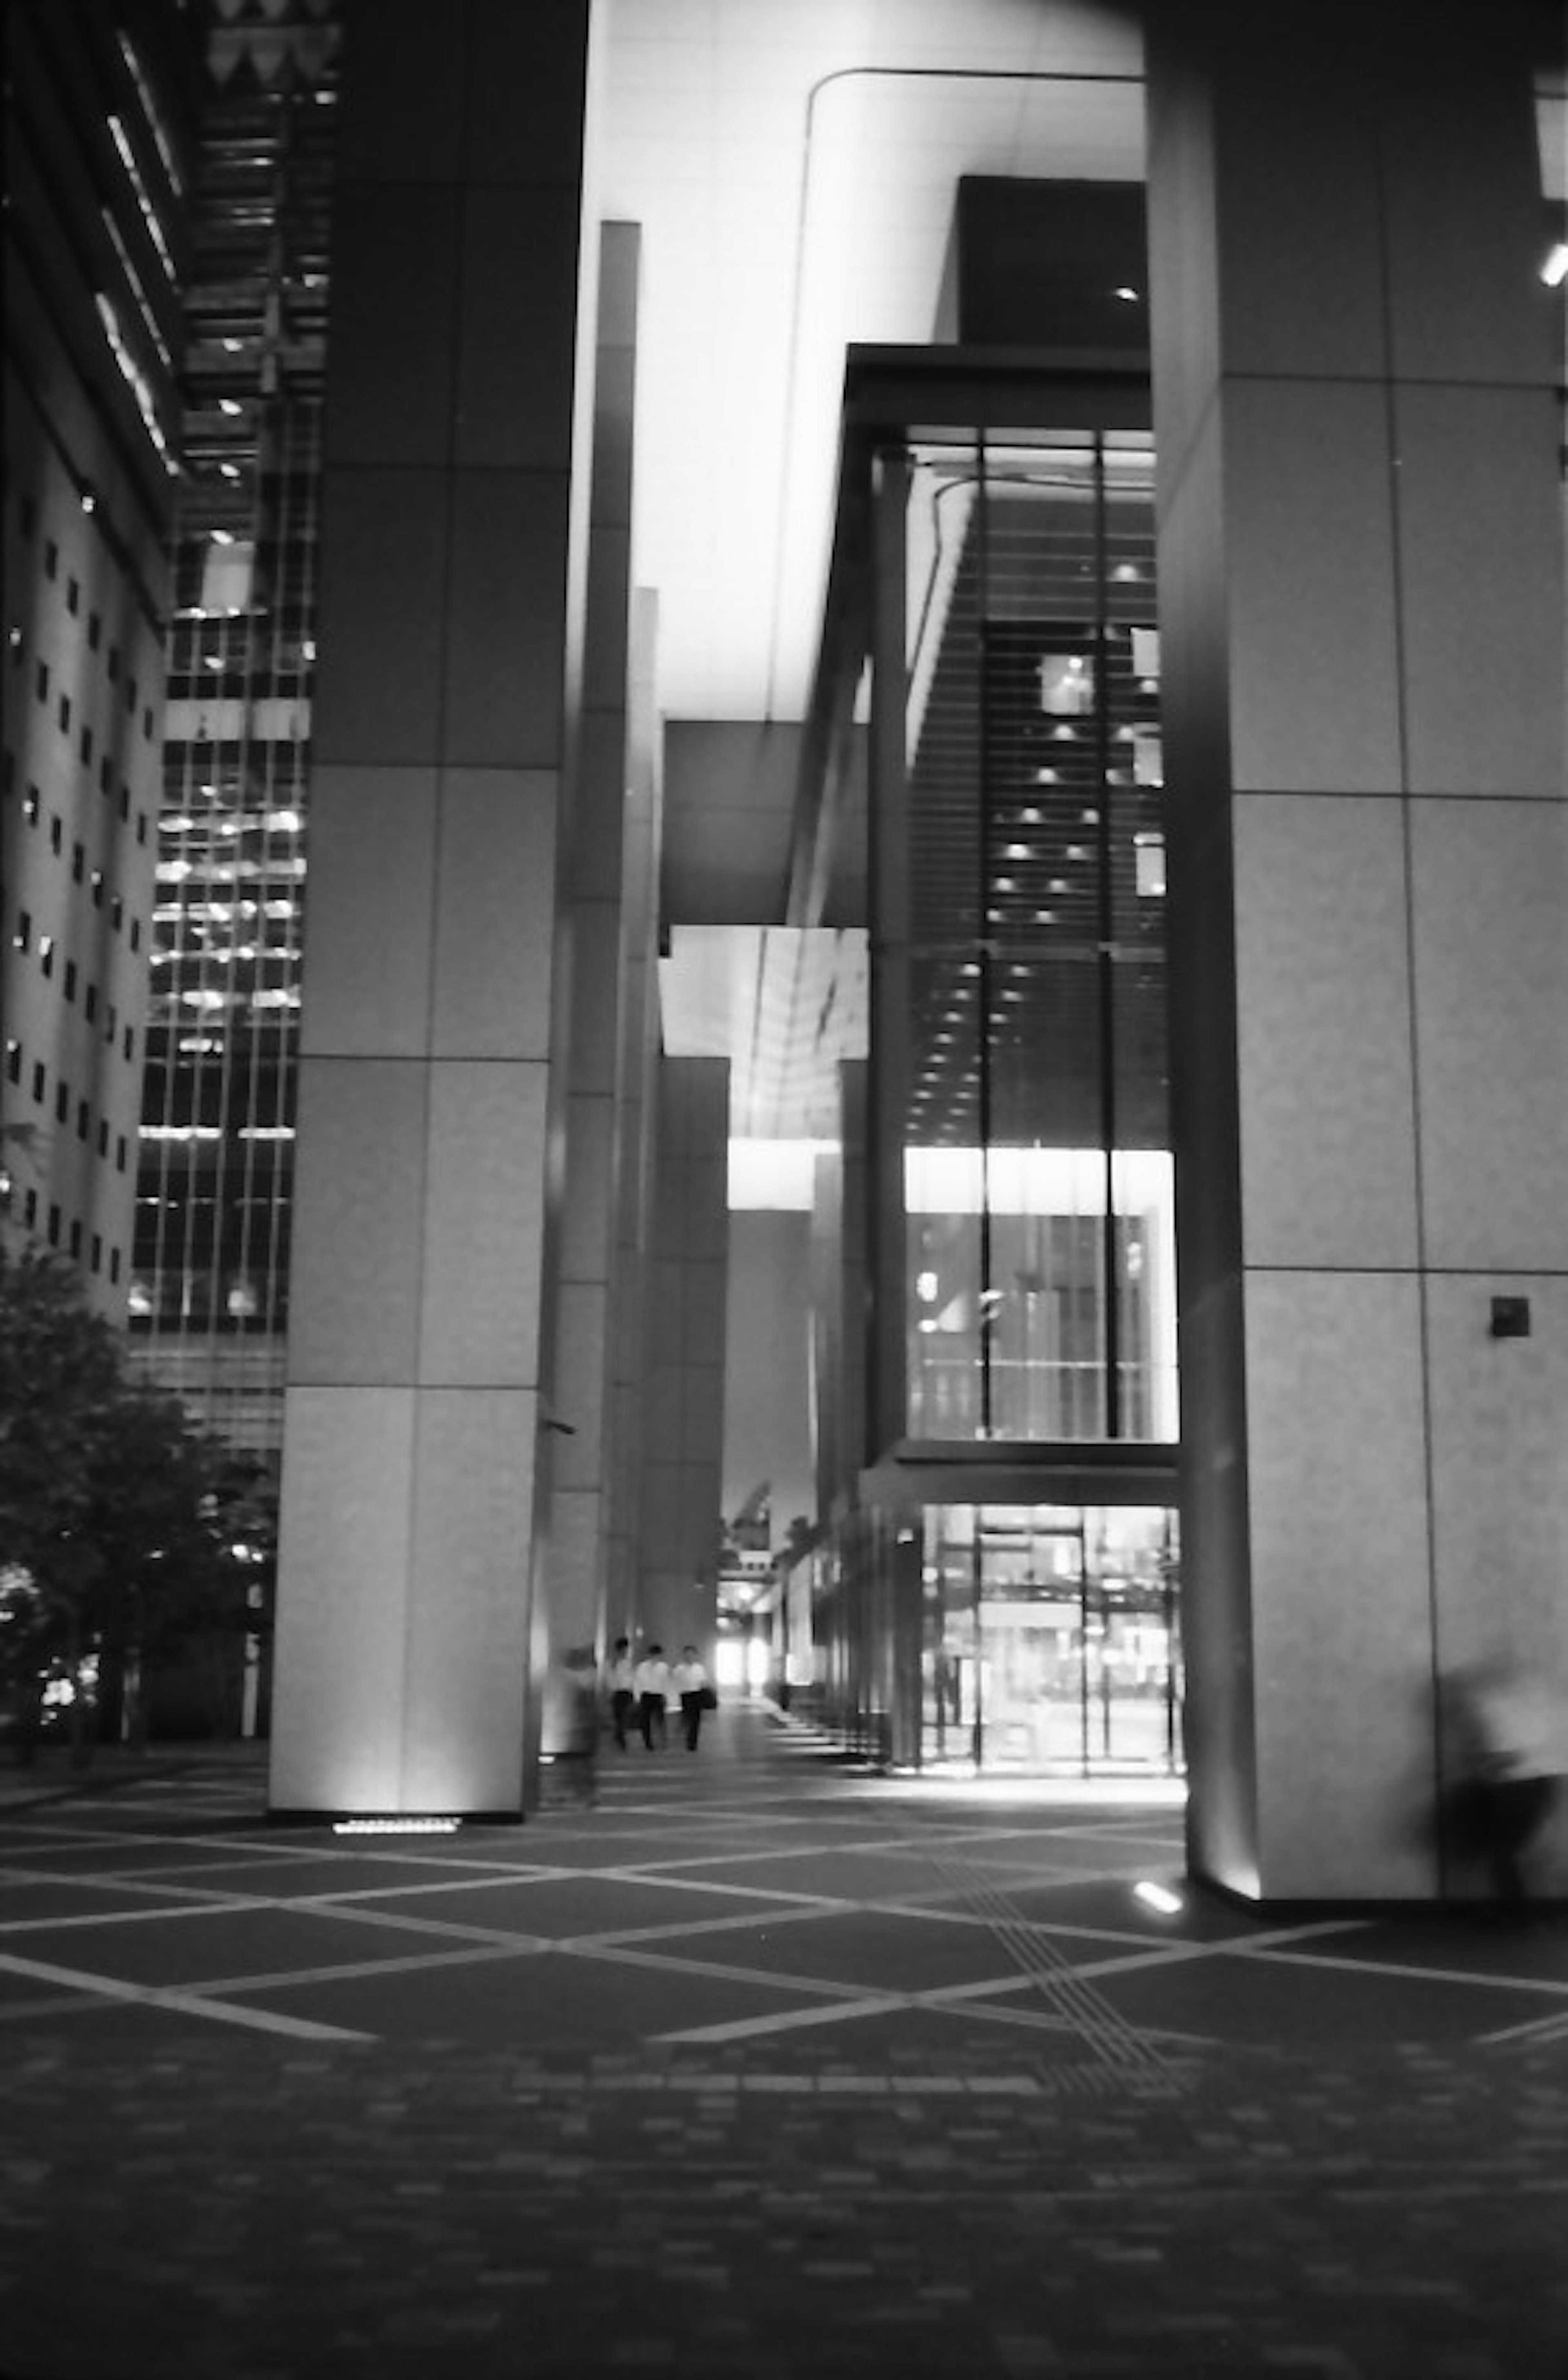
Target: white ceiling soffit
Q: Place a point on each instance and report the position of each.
(785, 1004)
(793, 169)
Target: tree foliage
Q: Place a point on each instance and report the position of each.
(113, 1507)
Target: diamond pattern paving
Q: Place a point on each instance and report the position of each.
(753, 2068)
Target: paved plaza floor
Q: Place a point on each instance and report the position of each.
(752, 2067)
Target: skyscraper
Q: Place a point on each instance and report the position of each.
(208, 1295)
(100, 110)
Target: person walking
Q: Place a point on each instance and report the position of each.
(651, 1679)
(1512, 1756)
(619, 1677)
(690, 1682)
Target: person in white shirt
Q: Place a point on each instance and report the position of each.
(651, 1680)
(690, 1682)
(620, 1679)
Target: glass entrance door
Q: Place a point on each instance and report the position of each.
(1052, 1642)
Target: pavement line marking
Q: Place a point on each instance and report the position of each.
(228, 1906)
(1542, 2028)
(987, 1988)
(186, 2001)
(692, 1929)
(937, 1907)
(333, 1897)
(674, 1866)
(59, 2004)
(327, 1846)
(298, 2028)
(752, 2028)
(759, 1979)
(1272, 1957)
(1180, 1953)
(778, 1895)
(52, 1841)
(1001, 2008)
(678, 1922)
(272, 1979)
(112, 1880)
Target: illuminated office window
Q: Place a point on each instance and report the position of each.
(1022, 946)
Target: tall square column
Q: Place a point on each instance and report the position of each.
(683, 1439)
(432, 1098)
(1361, 578)
(573, 1574)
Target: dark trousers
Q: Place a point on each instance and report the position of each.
(1514, 1810)
(621, 1706)
(651, 1719)
(691, 1718)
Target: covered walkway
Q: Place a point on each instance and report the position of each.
(752, 2065)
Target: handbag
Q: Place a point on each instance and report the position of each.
(707, 1699)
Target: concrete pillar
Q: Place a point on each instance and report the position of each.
(684, 1370)
(636, 1109)
(839, 1419)
(1361, 588)
(573, 1577)
(431, 1096)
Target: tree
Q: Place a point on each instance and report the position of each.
(111, 1542)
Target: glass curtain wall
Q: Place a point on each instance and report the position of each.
(209, 1294)
(1020, 1027)
(1022, 1219)
(1050, 1640)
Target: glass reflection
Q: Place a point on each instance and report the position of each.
(1051, 1640)
(1038, 1271)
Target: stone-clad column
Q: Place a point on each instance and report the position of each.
(683, 1437)
(431, 1102)
(636, 1081)
(598, 1105)
(1361, 589)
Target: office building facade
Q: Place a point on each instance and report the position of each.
(100, 113)
(1321, 731)
(209, 1282)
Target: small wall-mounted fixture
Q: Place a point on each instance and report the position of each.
(1511, 1318)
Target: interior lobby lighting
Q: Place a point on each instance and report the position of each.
(395, 1826)
(1158, 1896)
(1554, 271)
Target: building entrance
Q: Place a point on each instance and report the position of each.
(1051, 1640)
